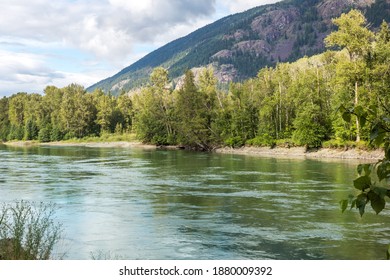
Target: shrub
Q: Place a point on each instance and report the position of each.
(285, 143)
(28, 231)
(234, 142)
(310, 126)
(56, 134)
(264, 140)
(44, 135)
(342, 144)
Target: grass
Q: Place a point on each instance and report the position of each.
(130, 137)
(346, 145)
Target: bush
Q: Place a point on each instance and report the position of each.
(342, 144)
(56, 134)
(264, 140)
(159, 140)
(44, 135)
(310, 126)
(16, 133)
(234, 142)
(285, 143)
(28, 231)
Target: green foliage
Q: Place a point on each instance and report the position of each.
(56, 134)
(373, 180)
(193, 120)
(352, 34)
(309, 130)
(44, 135)
(234, 142)
(154, 118)
(28, 231)
(4, 119)
(16, 133)
(346, 145)
(264, 140)
(367, 62)
(388, 253)
(30, 130)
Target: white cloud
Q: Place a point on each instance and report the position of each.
(24, 71)
(243, 5)
(33, 33)
(107, 29)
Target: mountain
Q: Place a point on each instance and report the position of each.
(238, 45)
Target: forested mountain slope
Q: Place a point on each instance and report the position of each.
(239, 45)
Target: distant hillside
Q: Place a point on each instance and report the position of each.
(237, 46)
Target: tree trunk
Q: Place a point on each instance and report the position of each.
(357, 119)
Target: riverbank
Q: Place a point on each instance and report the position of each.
(294, 152)
(116, 144)
(303, 152)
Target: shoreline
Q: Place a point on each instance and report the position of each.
(117, 144)
(295, 152)
(301, 152)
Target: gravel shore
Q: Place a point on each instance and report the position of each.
(302, 152)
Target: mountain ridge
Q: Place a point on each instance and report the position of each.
(238, 46)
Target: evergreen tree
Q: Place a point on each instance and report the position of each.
(4, 119)
(192, 115)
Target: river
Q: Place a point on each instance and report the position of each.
(133, 203)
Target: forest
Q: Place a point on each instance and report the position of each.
(319, 101)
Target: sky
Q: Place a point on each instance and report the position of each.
(46, 42)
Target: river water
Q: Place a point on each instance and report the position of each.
(149, 204)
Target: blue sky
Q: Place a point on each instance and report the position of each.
(46, 42)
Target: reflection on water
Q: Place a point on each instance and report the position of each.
(143, 204)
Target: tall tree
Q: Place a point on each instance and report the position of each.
(356, 38)
(192, 115)
(78, 112)
(105, 105)
(51, 106)
(125, 108)
(153, 110)
(4, 119)
(17, 106)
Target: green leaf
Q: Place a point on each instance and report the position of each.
(362, 183)
(363, 119)
(377, 202)
(374, 132)
(373, 110)
(353, 204)
(387, 150)
(361, 202)
(382, 192)
(344, 205)
(366, 167)
(377, 134)
(360, 169)
(388, 253)
(382, 170)
(347, 116)
(359, 111)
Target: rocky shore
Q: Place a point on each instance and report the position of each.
(303, 152)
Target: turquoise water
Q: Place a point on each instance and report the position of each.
(151, 204)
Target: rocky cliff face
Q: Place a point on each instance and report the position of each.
(239, 45)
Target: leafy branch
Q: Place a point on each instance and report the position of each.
(374, 178)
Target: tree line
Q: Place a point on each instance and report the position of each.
(300, 103)
(63, 113)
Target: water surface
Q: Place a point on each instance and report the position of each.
(147, 204)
